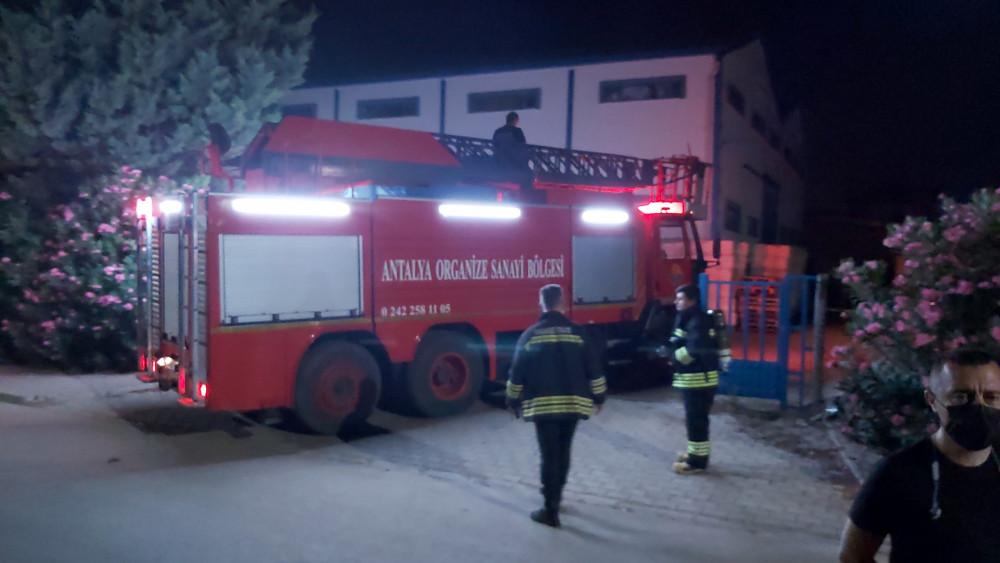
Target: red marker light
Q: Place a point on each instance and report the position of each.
(142, 363)
(182, 382)
(663, 208)
(144, 207)
(203, 390)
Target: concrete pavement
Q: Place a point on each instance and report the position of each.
(80, 483)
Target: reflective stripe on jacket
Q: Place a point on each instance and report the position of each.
(696, 352)
(554, 374)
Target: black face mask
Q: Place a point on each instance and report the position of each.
(973, 426)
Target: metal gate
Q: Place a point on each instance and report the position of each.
(776, 335)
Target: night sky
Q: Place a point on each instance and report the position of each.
(901, 98)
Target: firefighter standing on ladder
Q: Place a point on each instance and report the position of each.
(554, 382)
(696, 373)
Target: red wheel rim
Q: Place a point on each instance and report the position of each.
(449, 375)
(339, 389)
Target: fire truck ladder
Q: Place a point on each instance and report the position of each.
(192, 336)
(553, 166)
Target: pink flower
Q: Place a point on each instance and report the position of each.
(89, 295)
(48, 326)
(128, 306)
(897, 419)
(913, 248)
(957, 342)
(105, 228)
(923, 339)
(964, 287)
(930, 294)
(859, 333)
(995, 333)
(954, 234)
(900, 326)
(67, 214)
(871, 265)
(984, 285)
(927, 227)
(4, 196)
(30, 296)
(119, 277)
(872, 328)
(893, 241)
(109, 270)
(899, 281)
(845, 267)
(5, 260)
(930, 312)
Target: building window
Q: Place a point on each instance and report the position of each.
(757, 122)
(736, 100)
(637, 89)
(753, 227)
(389, 107)
(300, 110)
(774, 140)
(734, 216)
(506, 100)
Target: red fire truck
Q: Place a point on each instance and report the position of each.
(357, 262)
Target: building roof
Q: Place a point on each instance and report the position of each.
(509, 64)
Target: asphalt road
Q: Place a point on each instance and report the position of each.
(99, 469)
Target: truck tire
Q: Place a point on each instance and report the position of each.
(338, 384)
(445, 376)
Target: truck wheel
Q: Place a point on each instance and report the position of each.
(337, 384)
(445, 376)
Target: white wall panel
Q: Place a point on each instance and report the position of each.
(429, 92)
(649, 128)
(543, 126)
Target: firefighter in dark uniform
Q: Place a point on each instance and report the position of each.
(554, 382)
(696, 373)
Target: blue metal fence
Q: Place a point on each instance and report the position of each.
(769, 322)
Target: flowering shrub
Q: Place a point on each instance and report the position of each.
(944, 296)
(67, 276)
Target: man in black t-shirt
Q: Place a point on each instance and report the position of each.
(939, 500)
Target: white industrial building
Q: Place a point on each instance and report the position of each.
(716, 105)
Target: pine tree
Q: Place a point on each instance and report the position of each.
(84, 91)
(90, 92)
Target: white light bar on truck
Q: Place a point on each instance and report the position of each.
(479, 211)
(605, 216)
(171, 206)
(291, 207)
